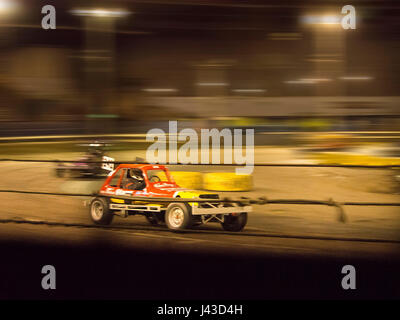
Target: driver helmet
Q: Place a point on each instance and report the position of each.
(136, 174)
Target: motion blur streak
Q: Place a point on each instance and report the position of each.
(315, 94)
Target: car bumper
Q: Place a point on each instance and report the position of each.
(220, 210)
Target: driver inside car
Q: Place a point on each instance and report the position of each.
(134, 180)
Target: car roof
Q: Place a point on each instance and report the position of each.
(142, 166)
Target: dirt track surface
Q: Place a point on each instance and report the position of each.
(298, 224)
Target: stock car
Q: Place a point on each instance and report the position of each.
(158, 183)
(84, 168)
(89, 165)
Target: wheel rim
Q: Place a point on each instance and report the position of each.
(176, 217)
(97, 210)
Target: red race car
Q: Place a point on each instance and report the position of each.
(146, 180)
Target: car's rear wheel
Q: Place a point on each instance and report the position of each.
(100, 212)
(235, 223)
(178, 216)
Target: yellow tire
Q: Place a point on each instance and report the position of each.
(188, 180)
(227, 181)
(355, 159)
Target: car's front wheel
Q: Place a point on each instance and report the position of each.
(235, 223)
(100, 212)
(178, 216)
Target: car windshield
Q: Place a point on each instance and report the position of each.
(114, 182)
(157, 176)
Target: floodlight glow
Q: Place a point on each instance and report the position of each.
(361, 78)
(105, 13)
(316, 79)
(160, 90)
(300, 82)
(323, 19)
(249, 90)
(213, 84)
(7, 6)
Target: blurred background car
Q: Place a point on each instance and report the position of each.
(89, 165)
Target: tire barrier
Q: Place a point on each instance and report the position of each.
(337, 158)
(213, 181)
(188, 180)
(227, 181)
